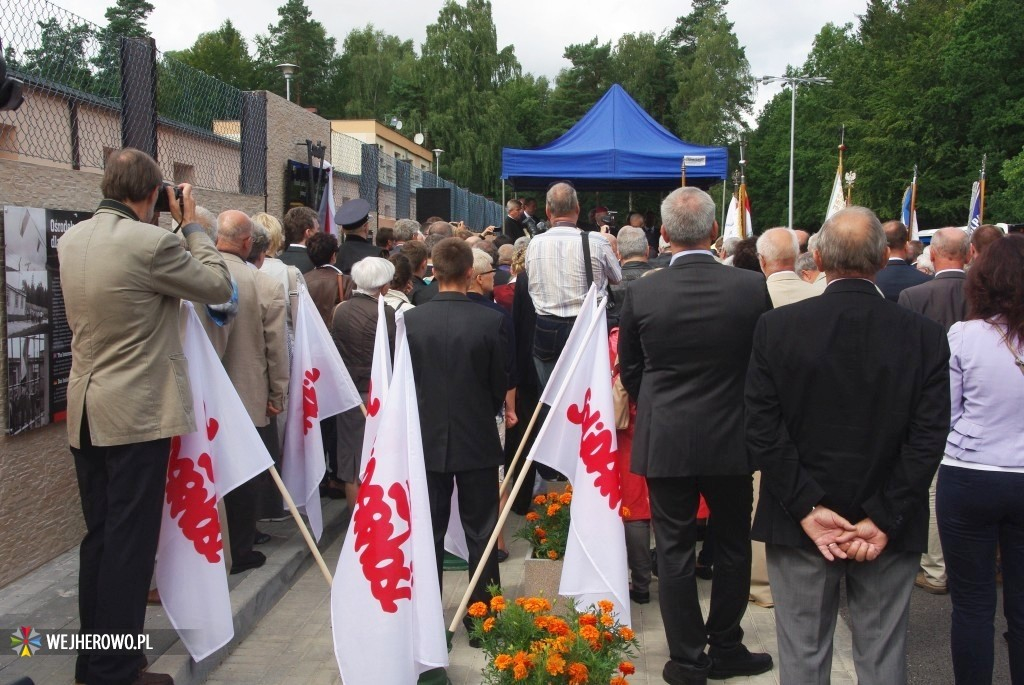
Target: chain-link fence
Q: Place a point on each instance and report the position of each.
(89, 92)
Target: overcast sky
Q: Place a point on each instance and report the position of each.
(775, 33)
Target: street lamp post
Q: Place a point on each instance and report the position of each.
(289, 71)
(437, 161)
(793, 82)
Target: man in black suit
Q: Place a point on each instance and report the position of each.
(514, 226)
(941, 300)
(354, 219)
(299, 224)
(847, 412)
(458, 357)
(684, 341)
(898, 273)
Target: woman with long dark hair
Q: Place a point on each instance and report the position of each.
(978, 499)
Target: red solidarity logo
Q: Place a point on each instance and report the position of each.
(382, 558)
(310, 408)
(373, 403)
(188, 496)
(596, 450)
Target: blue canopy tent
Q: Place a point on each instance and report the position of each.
(615, 146)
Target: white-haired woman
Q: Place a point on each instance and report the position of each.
(354, 328)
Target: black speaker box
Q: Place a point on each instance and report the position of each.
(433, 202)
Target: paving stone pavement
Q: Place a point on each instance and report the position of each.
(293, 642)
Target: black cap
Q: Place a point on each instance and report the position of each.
(353, 214)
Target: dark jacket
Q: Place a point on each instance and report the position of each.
(684, 341)
(295, 255)
(354, 248)
(617, 291)
(458, 358)
(940, 299)
(508, 330)
(323, 285)
(898, 275)
(354, 329)
(847, 405)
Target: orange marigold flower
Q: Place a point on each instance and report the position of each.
(557, 626)
(552, 554)
(540, 499)
(606, 606)
(532, 516)
(625, 512)
(565, 498)
(552, 497)
(608, 637)
(478, 610)
(618, 680)
(555, 665)
(554, 509)
(497, 603)
(520, 601)
(607, 621)
(627, 668)
(488, 624)
(589, 633)
(578, 674)
(502, 662)
(588, 620)
(523, 658)
(519, 672)
(535, 605)
(540, 532)
(626, 633)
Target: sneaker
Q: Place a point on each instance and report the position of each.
(737, 661)
(928, 585)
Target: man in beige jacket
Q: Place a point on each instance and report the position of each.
(252, 347)
(128, 392)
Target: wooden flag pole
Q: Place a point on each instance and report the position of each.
(981, 190)
(464, 604)
(519, 451)
(290, 503)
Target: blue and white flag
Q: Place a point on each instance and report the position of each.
(974, 213)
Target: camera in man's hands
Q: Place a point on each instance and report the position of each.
(162, 203)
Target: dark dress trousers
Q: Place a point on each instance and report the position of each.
(684, 341)
(898, 275)
(458, 358)
(847, 404)
(295, 255)
(940, 299)
(354, 248)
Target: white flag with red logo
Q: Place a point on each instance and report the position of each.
(578, 439)
(320, 386)
(380, 380)
(204, 466)
(386, 600)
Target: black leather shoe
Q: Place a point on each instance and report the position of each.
(261, 538)
(251, 560)
(502, 555)
(737, 661)
(704, 572)
(678, 673)
(640, 597)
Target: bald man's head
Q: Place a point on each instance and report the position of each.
(777, 249)
(234, 231)
(950, 249)
(851, 244)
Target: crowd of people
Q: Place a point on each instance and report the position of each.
(802, 388)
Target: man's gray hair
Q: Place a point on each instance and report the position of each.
(260, 242)
(513, 204)
(729, 246)
(562, 200)
(372, 273)
(481, 262)
(951, 243)
(405, 229)
(522, 241)
(688, 215)
(775, 248)
(505, 253)
(852, 243)
(208, 220)
(632, 242)
(805, 262)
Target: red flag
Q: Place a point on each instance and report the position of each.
(203, 467)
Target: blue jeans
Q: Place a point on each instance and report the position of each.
(977, 510)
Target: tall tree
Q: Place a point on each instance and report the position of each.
(61, 54)
(126, 18)
(643, 66)
(223, 54)
(462, 71)
(715, 89)
(299, 39)
(581, 85)
(366, 72)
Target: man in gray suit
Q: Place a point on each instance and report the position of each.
(252, 347)
(128, 392)
(941, 300)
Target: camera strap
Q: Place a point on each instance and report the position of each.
(586, 259)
